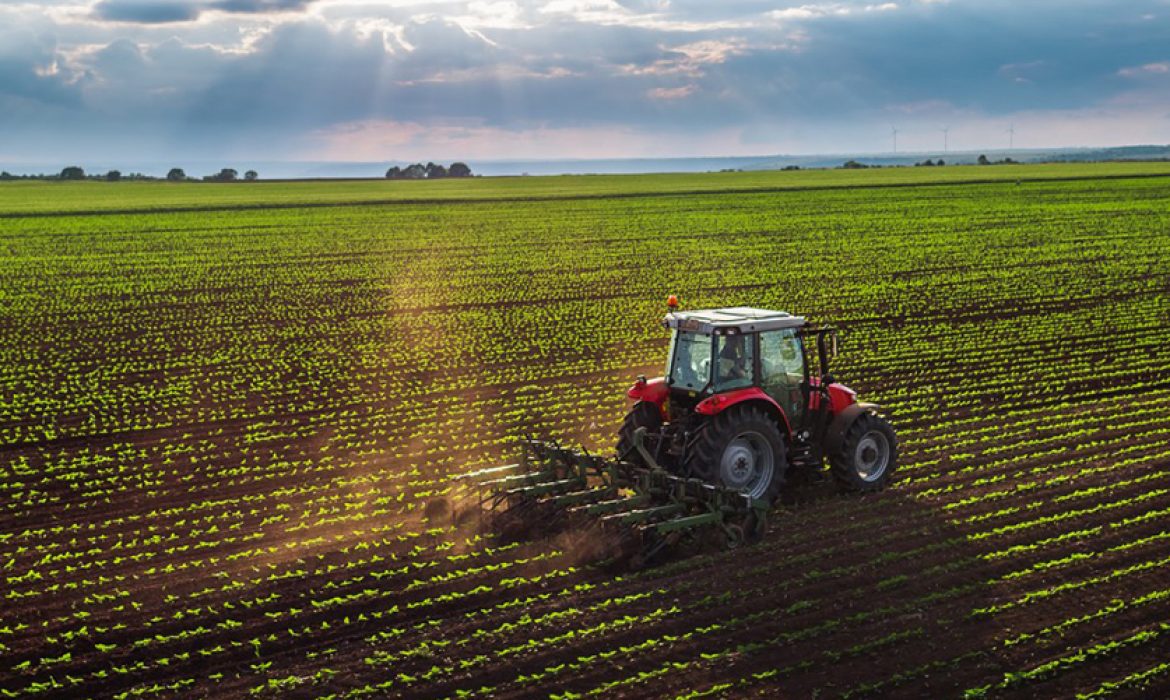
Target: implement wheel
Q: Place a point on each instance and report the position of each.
(741, 449)
(865, 460)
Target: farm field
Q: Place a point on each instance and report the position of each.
(230, 418)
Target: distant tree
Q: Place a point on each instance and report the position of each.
(854, 165)
(394, 173)
(225, 175)
(414, 172)
(1009, 161)
(435, 172)
(983, 160)
(941, 162)
(7, 176)
(251, 176)
(459, 169)
(72, 173)
(114, 175)
(176, 175)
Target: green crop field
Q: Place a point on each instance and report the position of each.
(231, 417)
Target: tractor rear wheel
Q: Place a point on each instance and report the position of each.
(865, 460)
(646, 415)
(741, 449)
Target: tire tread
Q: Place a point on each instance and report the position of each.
(841, 461)
(706, 447)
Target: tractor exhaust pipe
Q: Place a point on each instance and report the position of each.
(823, 355)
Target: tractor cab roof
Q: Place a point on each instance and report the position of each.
(740, 319)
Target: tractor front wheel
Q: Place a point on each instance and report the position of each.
(741, 449)
(865, 459)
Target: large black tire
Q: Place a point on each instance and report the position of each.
(740, 448)
(646, 415)
(865, 460)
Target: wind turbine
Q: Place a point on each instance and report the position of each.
(894, 131)
(945, 130)
(1011, 132)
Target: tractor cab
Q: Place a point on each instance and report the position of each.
(722, 350)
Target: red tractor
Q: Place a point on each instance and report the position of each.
(739, 407)
(706, 448)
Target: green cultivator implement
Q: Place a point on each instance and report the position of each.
(705, 450)
(623, 512)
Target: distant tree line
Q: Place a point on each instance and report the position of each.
(75, 173)
(430, 171)
(983, 160)
(417, 171)
(174, 175)
(229, 175)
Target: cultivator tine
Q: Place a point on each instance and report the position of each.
(507, 483)
(489, 473)
(643, 515)
(537, 491)
(632, 514)
(687, 522)
(573, 499)
(544, 488)
(615, 505)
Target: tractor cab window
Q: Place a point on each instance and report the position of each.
(782, 367)
(690, 361)
(735, 362)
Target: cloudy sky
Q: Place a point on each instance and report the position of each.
(473, 79)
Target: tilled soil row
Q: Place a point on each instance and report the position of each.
(181, 626)
(964, 638)
(1109, 667)
(911, 598)
(767, 578)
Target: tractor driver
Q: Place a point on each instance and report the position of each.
(732, 359)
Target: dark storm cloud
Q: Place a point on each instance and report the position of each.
(121, 57)
(301, 75)
(572, 72)
(997, 59)
(309, 76)
(254, 6)
(841, 66)
(144, 12)
(31, 70)
(147, 12)
(993, 58)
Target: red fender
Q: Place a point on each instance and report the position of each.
(721, 402)
(653, 390)
(841, 397)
